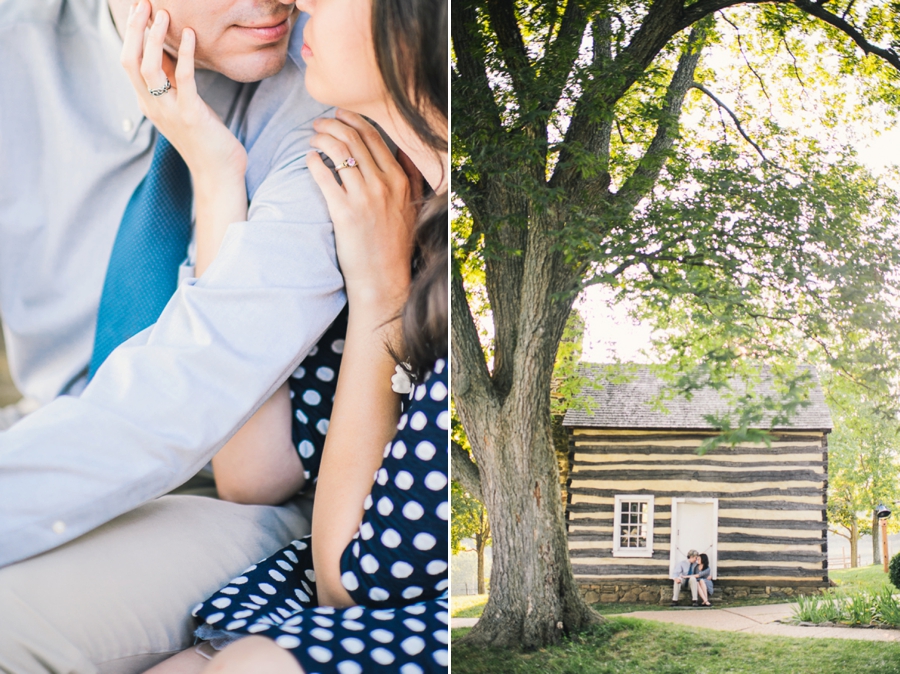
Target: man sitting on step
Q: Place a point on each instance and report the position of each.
(685, 574)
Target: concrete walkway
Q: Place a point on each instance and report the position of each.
(748, 619)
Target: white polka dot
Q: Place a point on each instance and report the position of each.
(301, 595)
(382, 656)
(325, 373)
(402, 423)
(242, 614)
(442, 585)
(381, 477)
(411, 592)
(442, 616)
(435, 567)
(330, 610)
(420, 393)
(352, 625)
(443, 511)
(443, 422)
(353, 613)
(214, 618)
(368, 502)
(284, 565)
(283, 612)
(387, 450)
(435, 480)
(382, 636)
(294, 605)
(338, 346)
(276, 575)
(301, 417)
(385, 507)
(321, 634)
(383, 614)
(442, 636)
(411, 668)
(440, 657)
(252, 607)
(418, 421)
(438, 391)
(416, 609)
(424, 541)
(369, 564)
(425, 450)
(299, 373)
(356, 547)
(268, 589)
(391, 538)
(235, 624)
(221, 602)
(349, 581)
(313, 351)
(196, 609)
(290, 555)
(323, 621)
(322, 426)
(258, 600)
(366, 531)
(248, 570)
(258, 627)
(439, 365)
(306, 449)
(414, 625)
(229, 590)
(291, 629)
(300, 545)
(349, 667)
(404, 480)
(413, 645)
(311, 575)
(413, 511)
(401, 570)
(353, 645)
(318, 653)
(399, 450)
(312, 397)
(379, 594)
(240, 580)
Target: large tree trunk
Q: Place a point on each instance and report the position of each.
(479, 553)
(876, 540)
(854, 544)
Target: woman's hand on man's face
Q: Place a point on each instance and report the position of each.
(374, 210)
(208, 148)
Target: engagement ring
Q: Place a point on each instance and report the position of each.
(350, 162)
(162, 90)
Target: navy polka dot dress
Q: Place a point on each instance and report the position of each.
(395, 567)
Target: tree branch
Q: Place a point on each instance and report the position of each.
(734, 117)
(512, 48)
(469, 367)
(561, 53)
(464, 471)
(644, 177)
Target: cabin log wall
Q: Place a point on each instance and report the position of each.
(772, 524)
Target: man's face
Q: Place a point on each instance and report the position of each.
(693, 559)
(245, 40)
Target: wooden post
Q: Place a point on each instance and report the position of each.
(884, 543)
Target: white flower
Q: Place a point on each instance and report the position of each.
(401, 381)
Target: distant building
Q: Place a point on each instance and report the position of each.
(639, 495)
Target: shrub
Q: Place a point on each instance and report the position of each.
(894, 570)
(887, 607)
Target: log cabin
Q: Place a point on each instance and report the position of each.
(639, 495)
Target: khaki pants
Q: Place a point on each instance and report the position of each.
(118, 600)
(676, 592)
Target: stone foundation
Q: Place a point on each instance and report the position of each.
(658, 593)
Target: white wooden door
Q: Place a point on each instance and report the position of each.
(694, 527)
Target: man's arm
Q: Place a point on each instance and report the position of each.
(166, 400)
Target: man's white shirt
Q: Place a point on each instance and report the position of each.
(73, 147)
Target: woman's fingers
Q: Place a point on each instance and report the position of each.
(339, 152)
(151, 65)
(379, 150)
(334, 193)
(133, 43)
(184, 69)
(352, 143)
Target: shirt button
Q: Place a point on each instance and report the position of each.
(59, 527)
(127, 125)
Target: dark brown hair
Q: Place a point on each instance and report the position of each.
(410, 39)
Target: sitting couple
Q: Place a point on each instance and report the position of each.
(693, 572)
(148, 368)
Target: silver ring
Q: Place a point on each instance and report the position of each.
(162, 90)
(349, 162)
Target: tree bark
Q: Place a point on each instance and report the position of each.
(854, 544)
(479, 553)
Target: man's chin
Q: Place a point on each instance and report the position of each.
(251, 67)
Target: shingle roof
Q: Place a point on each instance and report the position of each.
(629, 404)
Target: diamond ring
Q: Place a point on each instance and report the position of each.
(161, 90)
(349, 162)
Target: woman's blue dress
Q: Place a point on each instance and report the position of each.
(395, 568)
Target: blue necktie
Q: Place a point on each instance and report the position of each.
(150, 246)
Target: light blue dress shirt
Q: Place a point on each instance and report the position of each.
(73, 147)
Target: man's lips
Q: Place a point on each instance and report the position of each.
(270, 32)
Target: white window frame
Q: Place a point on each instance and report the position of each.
(618, 551)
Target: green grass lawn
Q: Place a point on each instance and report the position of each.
(467, 605)
(630, 646)
(862, 578)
